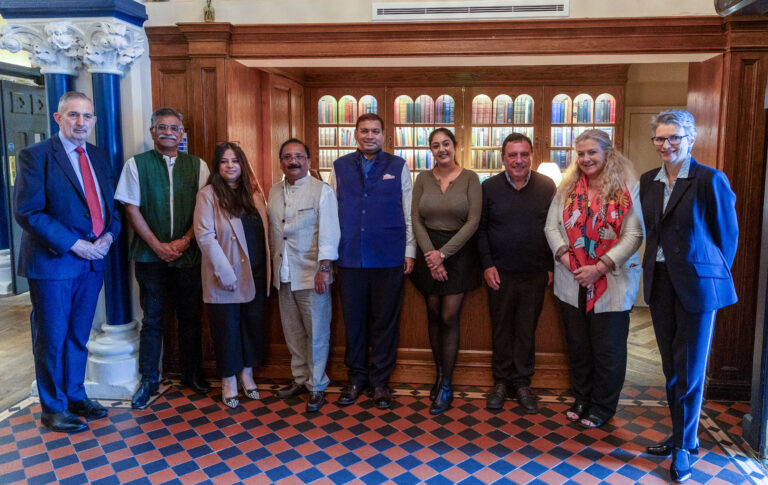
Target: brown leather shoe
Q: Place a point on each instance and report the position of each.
(349, 394)
(291, 390)
(527, 400)
(382, 397)
(315, 401)
(495, 398)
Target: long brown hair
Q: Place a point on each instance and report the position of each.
(238, 200)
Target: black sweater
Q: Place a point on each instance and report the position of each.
(511, 232)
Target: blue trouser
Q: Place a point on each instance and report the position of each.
(61, 320)
(159, 286)
(684, 339)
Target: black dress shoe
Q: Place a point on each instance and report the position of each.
(147, 388)
(349, 394)
(444, 398)
(495, 398)
(315, 401)
(64, 422)
(527, 400)
(382, 397)
(197, 384)
(291, 390)
(680, 471)
(665, 448)
(88, 409)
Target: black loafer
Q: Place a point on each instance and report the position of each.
(64, 422)
(495, 398)
(680, 470)
(147, 389)
(349, 394)
(664, 448)
(527, 400)
(291, 390)
(382, 397)
(315, 401)
(88, 409)
(197, 384)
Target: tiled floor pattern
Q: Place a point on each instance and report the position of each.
(186, 438)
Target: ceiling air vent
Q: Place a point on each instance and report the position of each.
(471, 10)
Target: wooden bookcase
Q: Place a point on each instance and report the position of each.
(550, 113)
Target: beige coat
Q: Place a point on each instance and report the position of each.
(225, 250)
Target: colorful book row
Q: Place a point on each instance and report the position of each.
(406, 111)
(505, 112)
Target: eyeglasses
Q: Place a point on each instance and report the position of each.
(298, 158)
(173, 128)
(673, 140)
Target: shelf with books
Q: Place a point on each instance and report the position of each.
(572, 116)
(492, 121)
(414, 120)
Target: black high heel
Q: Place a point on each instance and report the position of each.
(436, 388)
(443, 399)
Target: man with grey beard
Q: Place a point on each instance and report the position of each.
(158, 189)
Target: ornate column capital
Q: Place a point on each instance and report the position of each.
(55, 47)
(111, 47)
(63, 47)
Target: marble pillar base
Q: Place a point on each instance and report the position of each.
(6, 279)
(113, 362)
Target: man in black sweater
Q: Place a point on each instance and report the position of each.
(517, 266)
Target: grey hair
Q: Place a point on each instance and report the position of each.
(680, 117)
(159, 113)
(69, 95)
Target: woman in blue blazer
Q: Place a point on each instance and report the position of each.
(692, 234)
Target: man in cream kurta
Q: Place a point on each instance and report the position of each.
(304, 239)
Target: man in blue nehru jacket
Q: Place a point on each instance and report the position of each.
(377, 247)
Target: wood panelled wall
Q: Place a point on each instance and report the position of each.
(193, 70)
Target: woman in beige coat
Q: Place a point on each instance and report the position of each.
(231, 230)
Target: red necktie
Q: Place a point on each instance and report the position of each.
(90, 193)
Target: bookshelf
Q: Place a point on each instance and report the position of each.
(495, 115)
(336, 126)
(413, 119)
(573, 113)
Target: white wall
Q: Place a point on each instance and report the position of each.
(318, 11)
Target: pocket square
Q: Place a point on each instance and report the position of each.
(387, 176)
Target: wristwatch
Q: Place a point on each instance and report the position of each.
(324, 268)
(442, 256)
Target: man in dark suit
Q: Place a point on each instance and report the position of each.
(690, 219)
(64, 204)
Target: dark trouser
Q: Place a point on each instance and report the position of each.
(370, 301)
(515, 309)
(238, 333)
(684, 340)
(61, 320)
(159, 285)
(597, 352)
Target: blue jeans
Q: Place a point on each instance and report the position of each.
(159, 286)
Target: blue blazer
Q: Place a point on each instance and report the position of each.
(51, 208)
(698, 233)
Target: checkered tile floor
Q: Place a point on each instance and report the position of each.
(185, 438)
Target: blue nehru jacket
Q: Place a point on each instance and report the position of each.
(370, 211)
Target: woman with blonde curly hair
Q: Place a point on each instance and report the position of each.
(594, 228)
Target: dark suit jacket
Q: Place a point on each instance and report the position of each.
(698, 233)
(51, 208)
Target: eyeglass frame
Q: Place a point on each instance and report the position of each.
(299, 157)
(665, 139)
(173, 128)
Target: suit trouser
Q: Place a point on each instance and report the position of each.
(370, 301)
(159, 286)
(237, 330)
(684, 340)
(306, 319)
(597, 353)
(61, 320)
(515, 308)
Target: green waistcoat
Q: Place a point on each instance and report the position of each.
(155, 204)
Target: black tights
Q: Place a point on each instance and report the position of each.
(443, 314)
